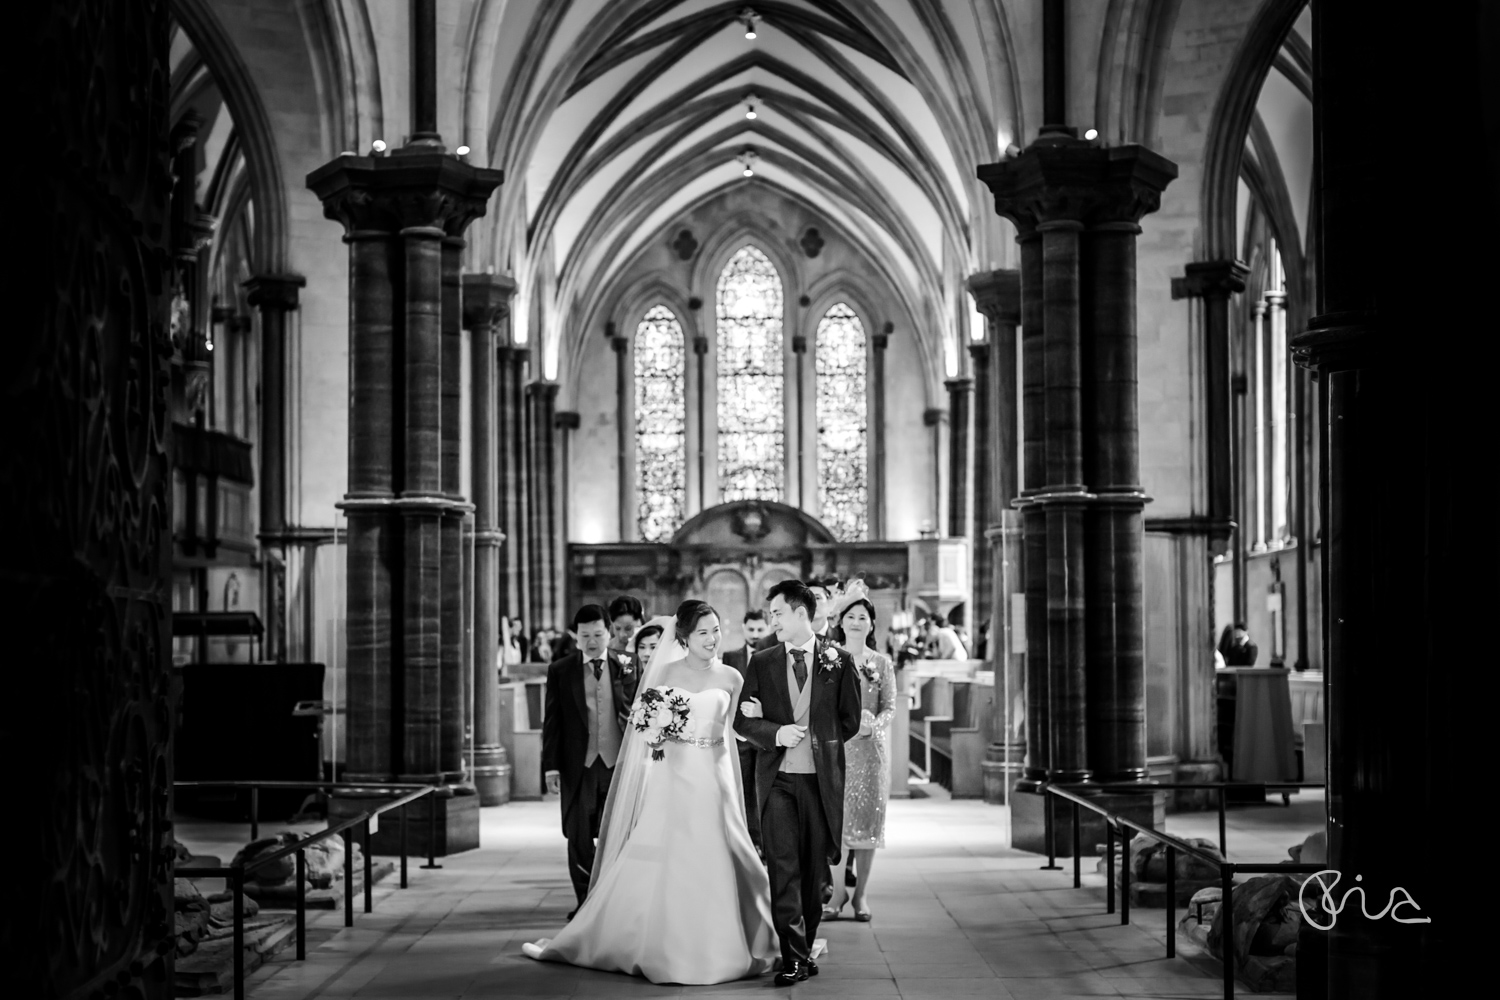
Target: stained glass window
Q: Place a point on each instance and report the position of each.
(750, 379)
(843, 494)
(660, 424)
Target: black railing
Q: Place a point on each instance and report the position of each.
(235, 875)
(1129, 829)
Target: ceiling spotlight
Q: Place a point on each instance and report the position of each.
(748, 17)
(750, 112)
(748, 172)
(747, 160)
(463, 151)
(378, 145)
(1091, 134)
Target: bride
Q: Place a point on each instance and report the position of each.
(677, 893)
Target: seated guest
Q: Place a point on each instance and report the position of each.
(1236, 648)
(944, 643)
(625, 616)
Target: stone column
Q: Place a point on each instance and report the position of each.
(1081, 203)
(997, 295)
(959, 392)
(624, 406)
(564, 422)
(486, 301)
(544, 519)
(397, 210)
(981, 514)
(1216, 282)
(1406, 729)
(455, 677)
(878, 344)
(274, 295)
(514, 488)
(1114, 572)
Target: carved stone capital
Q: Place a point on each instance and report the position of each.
(276, 291)
(1210, 279)
(486, 299)
(1074, 180)
(392, 193)
(1337, 342)
(997, 295)
(568, 420)
(933, 416)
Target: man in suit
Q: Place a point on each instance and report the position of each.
(583, 724)
(756, 629)
(801, 703)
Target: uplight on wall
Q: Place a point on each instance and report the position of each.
(462, 151)
(1091, 134)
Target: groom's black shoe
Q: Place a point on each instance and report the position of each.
(812, 967)
(793, 974)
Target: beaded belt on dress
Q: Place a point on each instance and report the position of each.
(704, 742)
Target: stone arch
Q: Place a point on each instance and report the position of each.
(1232, 116)
(252, 124)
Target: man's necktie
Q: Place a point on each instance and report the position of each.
(598, 668)
(799, 667)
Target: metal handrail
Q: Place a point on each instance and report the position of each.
(235, 874)
(1129, 828)
(1217, 786)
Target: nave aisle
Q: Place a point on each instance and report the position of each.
(957, 914)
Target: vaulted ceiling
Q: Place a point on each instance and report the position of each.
(613, 117)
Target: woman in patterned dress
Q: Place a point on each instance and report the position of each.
(867, 767)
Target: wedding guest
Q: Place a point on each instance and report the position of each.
(625, 617)
(867, 770)
(588, 697)
(944, 643)
(1236, 647)
(825, 591)
(645, 643)
(755, 629)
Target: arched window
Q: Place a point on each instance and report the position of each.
(660, 424)
(750, 379)
(843, 494)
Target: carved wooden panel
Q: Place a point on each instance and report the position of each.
(85, 496)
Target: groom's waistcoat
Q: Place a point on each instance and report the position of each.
(799, 759)
(603, 723)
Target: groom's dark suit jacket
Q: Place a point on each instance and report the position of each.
(832, 717)
(565, 727)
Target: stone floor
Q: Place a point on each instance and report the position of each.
(957, 914)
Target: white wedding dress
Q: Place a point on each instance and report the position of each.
(678, 894)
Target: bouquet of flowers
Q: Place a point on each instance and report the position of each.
(662, 714)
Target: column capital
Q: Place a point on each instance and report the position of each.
(959, 385)
(486, 299)
(1075, 180)
(979, 350)
(391, 193)
(1337, 342)
(547, 390)
(882, 340)
(568, 420)
(619, 344)
(997, 295)
(932, 416)
(799, 344)
(1209, 279)
(275, 291)
(700, 345)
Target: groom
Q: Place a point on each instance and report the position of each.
(801, 703)
(583, 723)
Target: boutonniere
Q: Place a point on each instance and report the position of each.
(626, 667)
(829, 659)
